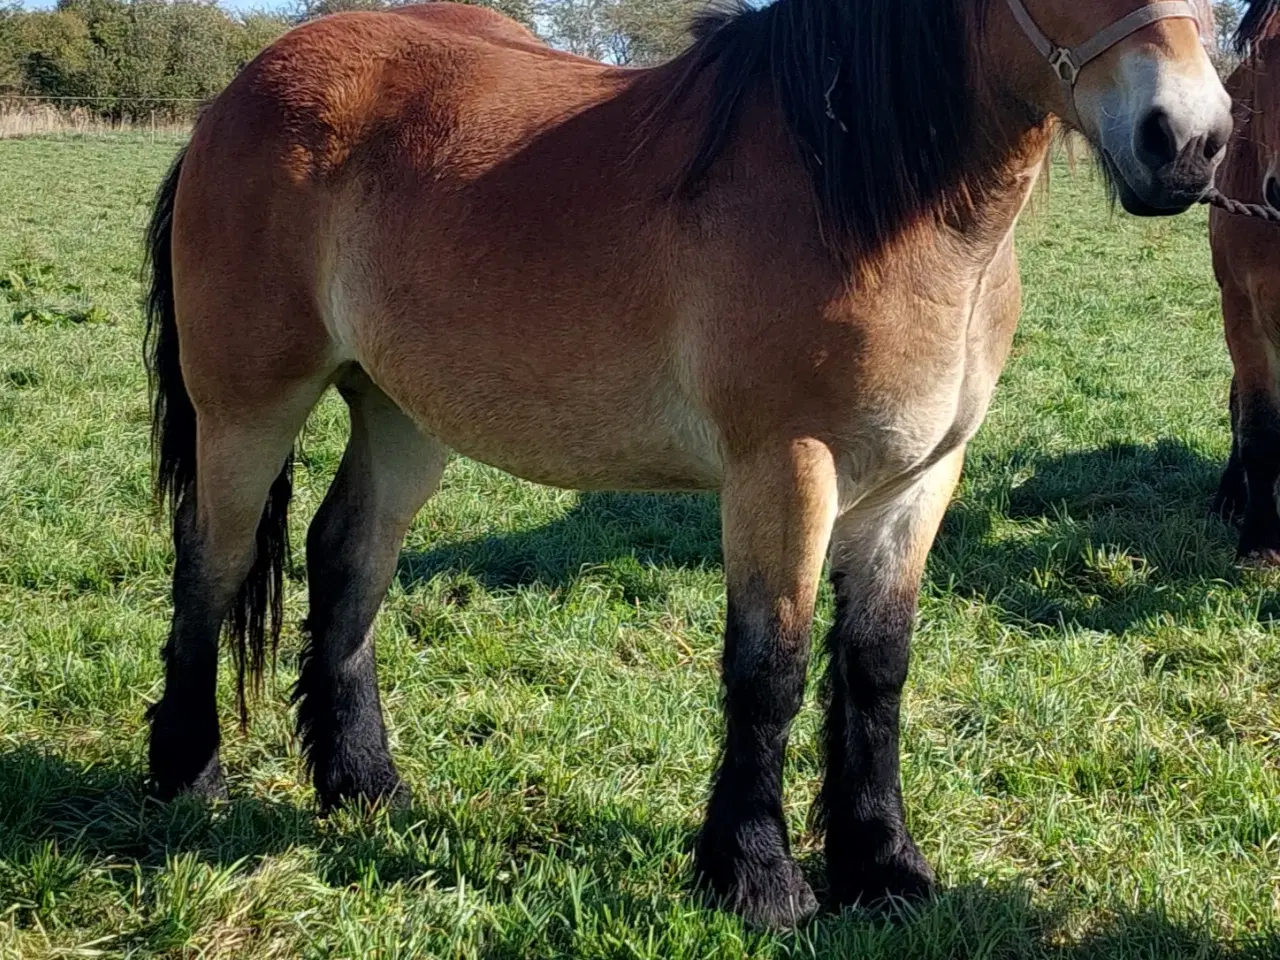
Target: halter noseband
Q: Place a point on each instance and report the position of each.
(1067, 62)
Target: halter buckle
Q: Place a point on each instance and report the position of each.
(1064, 65)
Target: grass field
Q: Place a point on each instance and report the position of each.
(1092, 739)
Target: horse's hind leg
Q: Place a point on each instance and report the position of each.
(877, 559)
(215, 533)
(389, 470)
(778, 510)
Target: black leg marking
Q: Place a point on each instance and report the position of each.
(340, 719)
(869, 852)
(388, 471)
(183, 751)
(743, 855)
(1259, 445)
(344, 737)
(1232, 496)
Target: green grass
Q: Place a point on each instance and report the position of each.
(1092, 730)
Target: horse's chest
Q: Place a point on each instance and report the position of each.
(937, 372)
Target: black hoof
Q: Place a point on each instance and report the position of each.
(384, 789)
(208, 784)
(182, 752)
(905, 875)
(776, 897)
(769, 895)
(1265, 558)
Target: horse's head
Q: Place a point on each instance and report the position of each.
(1134, 77)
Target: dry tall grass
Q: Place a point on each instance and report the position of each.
(25, 118)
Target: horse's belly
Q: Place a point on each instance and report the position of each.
(584, 462)
(644, 439)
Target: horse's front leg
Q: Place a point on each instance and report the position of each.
(877, 559)
(1255, 425)
(778, 508)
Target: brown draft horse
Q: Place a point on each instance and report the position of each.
(780, 266)
(1246, 260)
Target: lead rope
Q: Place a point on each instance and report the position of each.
(1217, 199)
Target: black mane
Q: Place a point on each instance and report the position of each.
(876, 94)
(1256, 23)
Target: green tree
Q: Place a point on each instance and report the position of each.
(130, 57)
(257, 31)
(521, 10)
(620, 31)
(10, 64)
(1226, 15)
(51, 53)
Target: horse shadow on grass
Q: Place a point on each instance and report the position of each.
(658, 529)
(1102, 538)
(101, 812)
(97, 813)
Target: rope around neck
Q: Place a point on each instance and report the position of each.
(1217, 199)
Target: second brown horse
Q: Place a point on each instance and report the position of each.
(780, 266)
(1246, 261)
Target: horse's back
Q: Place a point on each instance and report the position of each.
(392, 102)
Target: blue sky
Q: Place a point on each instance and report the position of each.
(229, 4)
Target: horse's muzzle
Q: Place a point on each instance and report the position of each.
(1175, 164)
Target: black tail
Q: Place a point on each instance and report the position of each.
(173, 446)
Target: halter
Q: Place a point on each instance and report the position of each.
(1067, 62)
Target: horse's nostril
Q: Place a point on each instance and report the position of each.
(1271, 192)
(1157, 145)
(1213, 144)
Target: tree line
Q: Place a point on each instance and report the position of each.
(128, 59)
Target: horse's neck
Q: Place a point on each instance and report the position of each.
(1006, 150)
(1241, 171)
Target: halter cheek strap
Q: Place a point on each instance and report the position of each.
(1067, 62)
